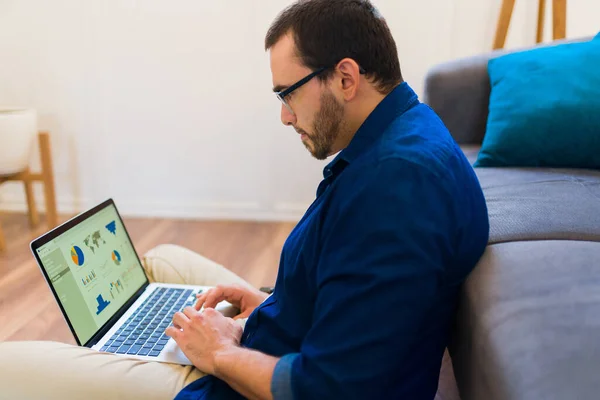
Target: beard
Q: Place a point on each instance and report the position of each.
(326, 127)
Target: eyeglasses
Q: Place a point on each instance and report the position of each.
(282, 94)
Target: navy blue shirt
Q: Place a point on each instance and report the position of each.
(369, 278)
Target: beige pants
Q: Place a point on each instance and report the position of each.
(50, 370)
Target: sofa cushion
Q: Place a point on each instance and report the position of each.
(528, 323)
(544, 108)
(536, 203)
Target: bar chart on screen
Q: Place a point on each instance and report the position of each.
(86, 280)
(116, 288)
(102, 304)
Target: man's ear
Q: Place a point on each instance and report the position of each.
(349, 72)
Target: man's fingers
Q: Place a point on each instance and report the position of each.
(207, 298)
(173, 332)
(201, 299)
(191, 312)
(214, 297)
(180, 320)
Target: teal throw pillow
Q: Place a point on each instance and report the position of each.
(544, 108)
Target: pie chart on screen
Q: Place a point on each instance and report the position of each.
(116, 257)
(77, 255)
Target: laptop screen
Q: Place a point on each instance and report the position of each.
(93, 269)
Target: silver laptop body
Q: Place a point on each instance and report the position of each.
(103, 292)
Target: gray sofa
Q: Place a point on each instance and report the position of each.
(528, 323)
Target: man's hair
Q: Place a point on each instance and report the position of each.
(327, 31)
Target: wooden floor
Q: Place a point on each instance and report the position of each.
(28, 310)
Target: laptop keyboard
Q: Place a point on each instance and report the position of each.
(144, 332)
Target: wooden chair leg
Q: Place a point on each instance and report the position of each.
(503, 23)
(33, 214)
(48, 179)
(559, 19)
(2, 241)
(541, 20)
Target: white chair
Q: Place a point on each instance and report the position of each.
(18, 130)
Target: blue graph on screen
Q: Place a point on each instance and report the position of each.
(112, 227)
(101, 304)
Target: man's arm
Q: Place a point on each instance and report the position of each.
(247, 371)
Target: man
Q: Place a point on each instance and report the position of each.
(368, 279)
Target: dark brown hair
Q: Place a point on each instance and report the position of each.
(327, 31)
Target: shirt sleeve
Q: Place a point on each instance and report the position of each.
(380, 268)
(281, 383)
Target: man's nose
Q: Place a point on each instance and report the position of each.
(287, 118)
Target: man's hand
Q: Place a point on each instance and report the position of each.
(244, 298)
(203, 336)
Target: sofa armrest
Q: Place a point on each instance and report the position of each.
(459, 92)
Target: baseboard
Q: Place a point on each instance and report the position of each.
(210, 210)
(9, 202)
(161, 209)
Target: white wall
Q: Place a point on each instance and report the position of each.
(167, 105)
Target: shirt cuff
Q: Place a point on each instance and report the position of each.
(281, 384)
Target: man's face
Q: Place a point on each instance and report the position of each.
(317, 115)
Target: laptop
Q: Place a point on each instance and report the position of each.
(103, 291)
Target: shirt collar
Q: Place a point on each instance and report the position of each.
(392, 106)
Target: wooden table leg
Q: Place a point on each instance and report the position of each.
(559, 19)
(503, 23)
(539, 38)
(48, 179)
(33, 214)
